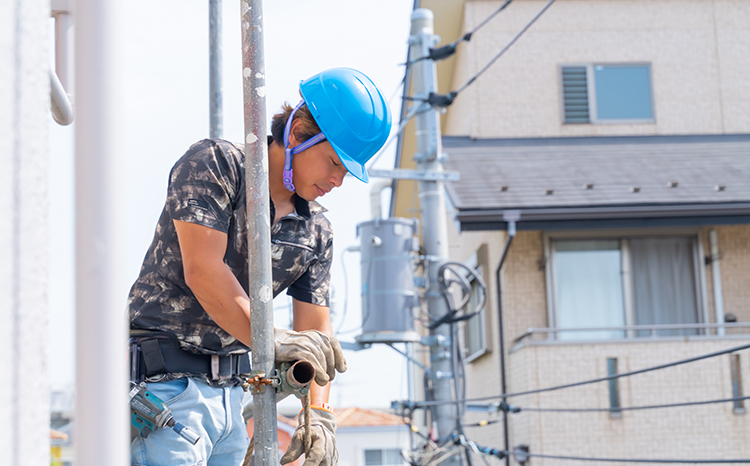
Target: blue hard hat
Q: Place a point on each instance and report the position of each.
(351, 112)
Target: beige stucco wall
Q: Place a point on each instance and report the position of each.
(699, 51)
(697, 432)
(734, 248)
(523, 282)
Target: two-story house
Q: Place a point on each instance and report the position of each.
(605, 197)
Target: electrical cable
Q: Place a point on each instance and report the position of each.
(366, 316)
(346, 290)
(505, 49)
(441, 53)
(630, 408)
(586, 382)
(636, 460)
(453, 315)
(518, 409)
(414, 111)
(444, 100)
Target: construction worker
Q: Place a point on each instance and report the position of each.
(189, 309)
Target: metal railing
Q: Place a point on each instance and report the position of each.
(631, 331)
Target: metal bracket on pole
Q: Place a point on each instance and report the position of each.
(419, 175)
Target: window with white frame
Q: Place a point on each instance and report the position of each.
(475, 328)
(383, 457)
(614, 282)
(607, 93)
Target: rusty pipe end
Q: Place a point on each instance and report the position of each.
(300, 374)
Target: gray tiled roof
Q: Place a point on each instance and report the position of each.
(621, 171)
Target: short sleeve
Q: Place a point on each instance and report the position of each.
(203, 185)
(314, 285)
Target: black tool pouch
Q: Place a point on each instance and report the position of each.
(155, 353)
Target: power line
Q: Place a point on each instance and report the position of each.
(505, 49)
(519, 409)
(441, 53)
(586, 382)
(414, 111)
(636, 460)
(631, 408)
(522, 455)
(444, 100)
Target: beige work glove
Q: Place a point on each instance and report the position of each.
(323, 440)
(321, 350)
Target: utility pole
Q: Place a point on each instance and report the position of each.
(434, 220)
(216, 104)
(258, 231)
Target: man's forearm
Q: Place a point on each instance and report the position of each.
(318, 394)
(223, 299)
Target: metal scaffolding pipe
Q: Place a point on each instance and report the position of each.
(102, 417)
(215, 83)
(60, 105)
(259, 229)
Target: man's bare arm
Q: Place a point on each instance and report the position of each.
(313, 317)
(212, 282)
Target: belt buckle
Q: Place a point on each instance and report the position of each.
(215, 367)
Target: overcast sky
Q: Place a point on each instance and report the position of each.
(165, 64)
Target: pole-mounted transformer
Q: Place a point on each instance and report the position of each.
(388, 251)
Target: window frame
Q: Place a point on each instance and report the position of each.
(478, 261)
(701, 297)
(591, 91)
(381, 449)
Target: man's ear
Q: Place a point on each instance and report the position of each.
(294, 133)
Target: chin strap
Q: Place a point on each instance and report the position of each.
(288, 153)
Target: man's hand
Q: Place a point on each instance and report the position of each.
(323, 440)
(321, 350)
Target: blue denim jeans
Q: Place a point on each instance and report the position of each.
(215, 414)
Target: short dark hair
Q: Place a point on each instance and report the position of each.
(278, 123)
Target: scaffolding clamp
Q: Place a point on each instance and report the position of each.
(258, 379)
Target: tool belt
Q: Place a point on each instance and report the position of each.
(155, 353)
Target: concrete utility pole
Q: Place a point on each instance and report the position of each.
(434, 220)
(215, 84)
(259, 230)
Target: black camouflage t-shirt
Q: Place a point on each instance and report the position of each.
(207, 187)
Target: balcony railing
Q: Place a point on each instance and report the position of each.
(630, 332)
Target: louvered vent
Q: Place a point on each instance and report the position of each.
(575, 94)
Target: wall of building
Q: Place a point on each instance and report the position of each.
(525, 305)
(734, 249)
(353, 441)
(698, 51)
(696, 432)
(24, 120)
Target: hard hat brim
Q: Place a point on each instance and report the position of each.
(357, 169)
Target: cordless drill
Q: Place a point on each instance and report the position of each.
(150, 413)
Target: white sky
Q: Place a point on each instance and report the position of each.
(165, 64)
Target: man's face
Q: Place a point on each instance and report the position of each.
(317, 171)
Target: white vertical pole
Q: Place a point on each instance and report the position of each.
(102, 427)
(24, 233)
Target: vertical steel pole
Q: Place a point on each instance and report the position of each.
(102, 420)
(434, 219)
(259, 229)
(215, 83)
